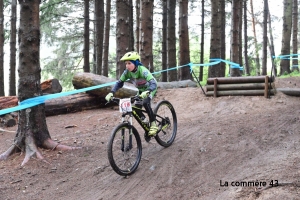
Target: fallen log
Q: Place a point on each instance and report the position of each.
(84, 80)
(176, 84)
(51, 86)
(8, 102)
(241, 86)
(240, 93)
(290, 91)
(73, 103)
(244, 79)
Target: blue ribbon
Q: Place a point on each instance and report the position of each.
(41, 99)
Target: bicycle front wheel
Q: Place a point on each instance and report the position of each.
(124, 149)
(167, 123)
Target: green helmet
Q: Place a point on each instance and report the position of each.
(132, 55)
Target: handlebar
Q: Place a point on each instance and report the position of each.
(132, 99)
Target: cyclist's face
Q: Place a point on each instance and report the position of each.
(129, 65)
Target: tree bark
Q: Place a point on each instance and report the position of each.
(146, 34)
(286, 36)
(215, 41)
(171, 40)
(2, 93)
(295, 62)
(184, 47)
(255, 39)
(265, 38)
(86, 36)
(246, 62)
(13, 50)
(164, 74)
(123, 36)
(32, 129)
(235, 42)
(99, 26)
(106, 39)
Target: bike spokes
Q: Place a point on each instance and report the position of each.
(167, 122)
(124, 150)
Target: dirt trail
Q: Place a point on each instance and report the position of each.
(226, 140)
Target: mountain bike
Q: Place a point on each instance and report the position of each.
(125, 147)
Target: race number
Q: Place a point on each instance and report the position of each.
(125, 105)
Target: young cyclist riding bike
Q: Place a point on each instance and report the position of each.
(141, 77)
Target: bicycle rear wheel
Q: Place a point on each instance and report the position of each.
(124, 149)
(167, 123)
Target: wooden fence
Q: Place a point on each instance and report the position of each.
(240, 86)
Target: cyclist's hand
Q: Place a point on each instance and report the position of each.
(144, 94)
(109, 96)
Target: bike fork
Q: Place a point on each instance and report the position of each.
(123, 143)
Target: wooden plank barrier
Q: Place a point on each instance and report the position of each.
(240, 86)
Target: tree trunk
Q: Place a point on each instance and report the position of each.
(99, 23)
(255, 39)
(123, 36)
(235, 37)
(2, 93)
(171, 40)
(271, 45)
(295, 66)
(184, 47)
(215, 40)
(106, 39)
(146, 34)
(32, 129)
(86, 37)
(12, 70)
(286, 36)
(265, 39)
(164, 74)
(223, 38)
(246, 62)
(202, 41)
(137, 27)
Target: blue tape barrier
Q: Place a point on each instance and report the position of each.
(41, 99)
(287, 56)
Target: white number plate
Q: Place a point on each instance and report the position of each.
(125, 105)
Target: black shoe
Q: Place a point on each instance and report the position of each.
(147, 137)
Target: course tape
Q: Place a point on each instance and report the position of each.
(286, 56)
(41, 99)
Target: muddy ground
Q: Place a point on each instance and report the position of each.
(222, 144)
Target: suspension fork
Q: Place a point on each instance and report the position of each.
(123, 148)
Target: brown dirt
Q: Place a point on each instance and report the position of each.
(232, 140)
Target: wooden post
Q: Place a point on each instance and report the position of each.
(215, 87)
(266, 86)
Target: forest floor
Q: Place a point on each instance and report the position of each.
(222, 144)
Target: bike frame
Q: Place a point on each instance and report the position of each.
(144, 125)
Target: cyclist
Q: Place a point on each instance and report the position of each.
(141, 77)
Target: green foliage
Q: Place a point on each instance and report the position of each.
(293, 74)
(63, 30)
